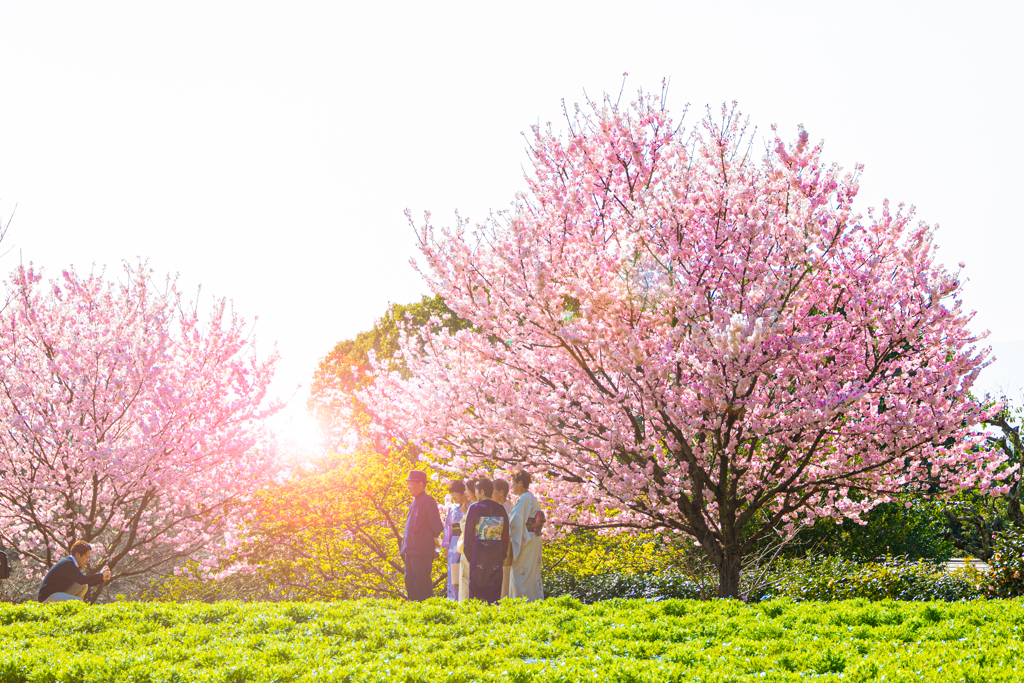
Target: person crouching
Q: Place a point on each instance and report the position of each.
(485, 543)
(65, 580)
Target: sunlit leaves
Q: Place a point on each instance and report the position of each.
(543, 642)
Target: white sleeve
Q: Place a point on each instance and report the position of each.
(517, 526)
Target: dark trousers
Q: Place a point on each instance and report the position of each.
(485, 582)
(417, 576)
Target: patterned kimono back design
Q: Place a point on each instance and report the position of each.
(486, 543)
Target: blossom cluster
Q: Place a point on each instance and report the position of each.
(673, 334)
(129, 422)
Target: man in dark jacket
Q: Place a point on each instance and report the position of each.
(485, 544)
(423, 529)
(65, 580)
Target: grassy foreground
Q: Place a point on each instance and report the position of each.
(555, 640)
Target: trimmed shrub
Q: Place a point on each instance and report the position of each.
(593, 588)
(822, 579)
(835, 578)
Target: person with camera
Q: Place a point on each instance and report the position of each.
(65, 580)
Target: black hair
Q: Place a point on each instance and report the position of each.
(79, 548)
(523, 477)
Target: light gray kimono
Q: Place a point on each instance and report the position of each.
(524, 579)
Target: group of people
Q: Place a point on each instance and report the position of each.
(493, 546)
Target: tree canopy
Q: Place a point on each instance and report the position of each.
(673, 334)
(128, 422)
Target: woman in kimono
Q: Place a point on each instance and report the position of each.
(452, 532)
(471, 497)
(501, 497)
(486, 544)
(525, 525)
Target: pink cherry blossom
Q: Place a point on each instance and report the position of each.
(128, 422)
(671, 334)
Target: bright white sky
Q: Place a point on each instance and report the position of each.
(268, 152)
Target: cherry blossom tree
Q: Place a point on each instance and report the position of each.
(127, 422)
(676, 335)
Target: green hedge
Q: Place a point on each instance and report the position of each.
(829, 578)
(834, 578)
(558, 640)
(593, 588)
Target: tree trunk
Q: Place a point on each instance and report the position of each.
(1013, 510)
(729, 573)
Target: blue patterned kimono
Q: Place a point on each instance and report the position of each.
(486, 546)
(450, 540)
